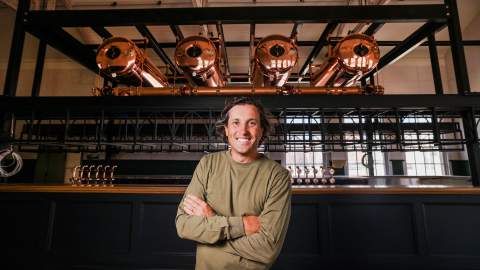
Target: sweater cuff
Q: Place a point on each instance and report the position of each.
(236, 227)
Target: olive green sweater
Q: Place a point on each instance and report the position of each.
(233, 189)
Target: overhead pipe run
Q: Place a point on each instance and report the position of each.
(354, 56)
(275, 56)
(123, 62)
(198, 57)
(239, 91)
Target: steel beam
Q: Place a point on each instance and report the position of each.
(177, 32)
(318, 47)
(274, 103)
(221, 37)
(40, 63)
(311, 43)
(373, 28)
(102, 32)
(161, 53)
(240, 15)
(437, 75)
(410, 43)
(66, 44)
(473, 146)
(458, 54)
(16, 50)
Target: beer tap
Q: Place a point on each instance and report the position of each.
(289, 168)
(75, 178)
(299, 171)
(83, 175)
(90, 169)
(307, 172)
(315, 171)
(111, 175)
(323, 171)
(97, 174)
(105, 175)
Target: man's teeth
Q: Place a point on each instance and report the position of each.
(242, 139)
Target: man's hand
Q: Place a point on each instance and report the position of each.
(251, 224)
(197, 207)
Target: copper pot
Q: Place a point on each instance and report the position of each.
(121, 60)
(353, 57)
(275, 56)
(198, 57)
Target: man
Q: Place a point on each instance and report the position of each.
(237, 206)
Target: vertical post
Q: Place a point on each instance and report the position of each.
(473, 146)
(37, 79)
(16, 50)
(458, 53)
(371, 161)
(437, 76)
(463, 87)
(13, 68)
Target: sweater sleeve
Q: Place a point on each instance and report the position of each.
(265, 245)
(206, 230)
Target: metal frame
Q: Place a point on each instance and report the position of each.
(47, 26)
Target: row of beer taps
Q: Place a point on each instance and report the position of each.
(93, 175)
(311, 175)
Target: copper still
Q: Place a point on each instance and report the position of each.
(121, 60)
(275, 56)
(353, 57)
(198, 57)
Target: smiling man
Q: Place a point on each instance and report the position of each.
(237, 206)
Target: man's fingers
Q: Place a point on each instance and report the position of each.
(192, 202)
(187, 210)
(196, 199)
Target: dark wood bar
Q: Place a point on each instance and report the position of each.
(133, 227)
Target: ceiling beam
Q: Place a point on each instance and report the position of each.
(304, 43)
(239, 15)
(158, 50)
(221, 38)
(102, 32)
(373, 28)
(318, 47)
(409, 44)
(177, 32)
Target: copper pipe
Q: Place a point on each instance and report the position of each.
(275, 57)
(354, 56)
(198, 57)
(246, 91)
(123, 62)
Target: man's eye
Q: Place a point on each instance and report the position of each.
(253, 123)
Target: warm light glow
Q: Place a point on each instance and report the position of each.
(154, 82)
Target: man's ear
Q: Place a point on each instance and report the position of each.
(225, 130)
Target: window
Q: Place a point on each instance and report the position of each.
(424, 162)
(356, 168)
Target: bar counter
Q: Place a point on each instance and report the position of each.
(331, 227)
(296, 190)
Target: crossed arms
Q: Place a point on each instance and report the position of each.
(257, 238)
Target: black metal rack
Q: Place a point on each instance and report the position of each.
(48, 27)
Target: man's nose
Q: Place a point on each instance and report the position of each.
(244, 128)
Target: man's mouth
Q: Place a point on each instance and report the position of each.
(242, 140)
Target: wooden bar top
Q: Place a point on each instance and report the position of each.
(304, 190)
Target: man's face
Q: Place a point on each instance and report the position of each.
(243, 129)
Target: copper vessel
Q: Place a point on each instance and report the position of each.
(121, 60)
(275, 56)
(198, 57)
(353, 57)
